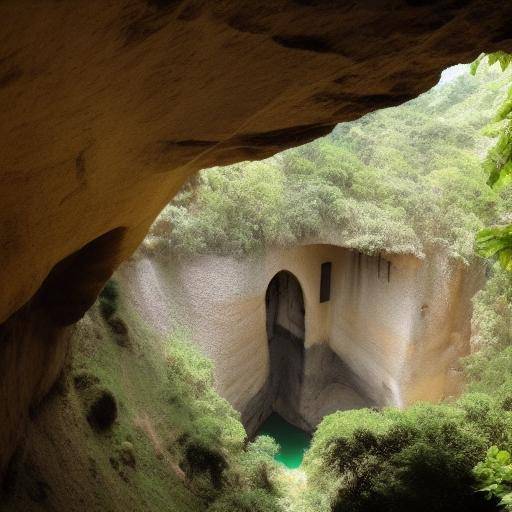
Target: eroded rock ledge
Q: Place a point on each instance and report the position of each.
(106, 108)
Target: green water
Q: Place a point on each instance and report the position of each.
(293, 441)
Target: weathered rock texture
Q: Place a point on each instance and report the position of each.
(303, 385)
(392, 332)
(107, 107)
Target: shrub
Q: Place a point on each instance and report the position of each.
(491, 323)
(489, 367)
(252, 500)
(256, 465)
(418, 459)
(494, 477)
(208, 419)
(119, 330)
(127, 454)
(204, 459)
(108, 300)
(99, 402)
(101, 408)
(84, 380)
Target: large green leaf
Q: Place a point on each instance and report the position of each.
(496, 242)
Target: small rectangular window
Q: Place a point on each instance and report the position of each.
(325, 282)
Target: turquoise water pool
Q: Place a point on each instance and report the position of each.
(293, 441)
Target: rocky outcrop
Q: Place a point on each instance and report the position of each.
(303, 384)
(107, 108)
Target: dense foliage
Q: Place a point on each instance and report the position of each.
(497, 240)
(404, 179)
(494, 476)
(490, 364)
(228, 473)
(417, 459)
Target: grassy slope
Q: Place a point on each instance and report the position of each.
(67, 466)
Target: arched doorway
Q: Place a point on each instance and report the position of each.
(303, 385)
(284, 302)
(285, 315)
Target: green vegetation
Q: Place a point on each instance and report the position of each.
(109, 298)
(494, 474)
(490, 364)
(157, 434)
(405, 180)
(222, 469)
(422, 458)
(496, 241)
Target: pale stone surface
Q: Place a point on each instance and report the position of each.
(398, 323)
(107, 108)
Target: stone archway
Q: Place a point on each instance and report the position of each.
(304, 383)
(285, 315)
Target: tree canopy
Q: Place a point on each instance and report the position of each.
(406, 179)
(497, 240)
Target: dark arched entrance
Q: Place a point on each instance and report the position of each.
(284, 302)
(285, 330)
(303, 385)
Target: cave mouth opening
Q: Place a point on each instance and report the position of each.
(285, 322)
(285, 312)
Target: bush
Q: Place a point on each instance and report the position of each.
(99, 402)
(494, 477)
(204, 459)
(491, 323)
(489, 368)
(109, 298)
(101, 409)
(252, 500)
(208, 419)
(127, 454)
(418, 459)
(256, 465)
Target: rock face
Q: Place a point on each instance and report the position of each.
(303, 385)
(107, 108)
(391, 332)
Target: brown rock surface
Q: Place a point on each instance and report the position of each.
(107, 107)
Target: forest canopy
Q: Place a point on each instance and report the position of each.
(407, 179)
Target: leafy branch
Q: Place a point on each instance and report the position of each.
(497, 241)
(494, 476)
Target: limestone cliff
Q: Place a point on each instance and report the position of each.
(391, 333)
